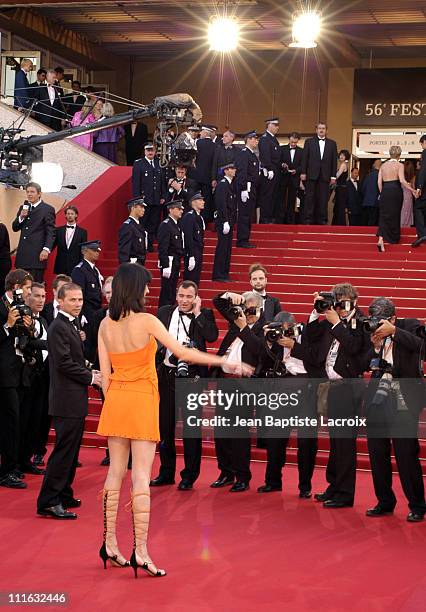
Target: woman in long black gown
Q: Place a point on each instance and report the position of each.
(390, 180)
(340, 197)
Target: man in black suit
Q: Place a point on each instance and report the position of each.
(258, 278)
(202, 173)
(170, 252)
(341, 344)
(132, 237)
(21, 93)
(247, 182)
(49, 108)
(180, 187)
(41, 80)
(393, 417)
(36, 222)
(68, 240)
(187, 322)
(74, 101)
(193, 227)
(319, 167)
(225, 218)
(225, 153)
(89, 278)
(5, 260)
(148, 181)
(136, 136)
(270, 161)
(354, 198)
(420, 202)
(69, 379)
(291, 168)
(243, 343)
(12, 325)
(50, 310)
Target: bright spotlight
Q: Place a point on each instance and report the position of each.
(306, 29)
(223, 34)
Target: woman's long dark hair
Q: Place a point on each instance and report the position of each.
(128, 290)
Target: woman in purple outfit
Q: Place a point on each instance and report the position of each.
(106, 141)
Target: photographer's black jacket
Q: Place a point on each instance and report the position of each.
(253, 338)
(10, 363)
(202, 329)
(354, 344)
(407, 354)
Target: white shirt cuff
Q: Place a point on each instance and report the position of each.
(313, 316)
(335, 324)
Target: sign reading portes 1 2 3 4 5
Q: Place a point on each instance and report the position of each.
(390, 96)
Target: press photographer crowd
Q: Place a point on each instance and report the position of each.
(49, 358)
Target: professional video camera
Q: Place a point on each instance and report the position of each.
(275, 331)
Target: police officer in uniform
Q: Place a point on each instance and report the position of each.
(170, 252)
(132, 237)
(247, 180)
(148, 180)
(193, 227)
(87, 276)
(270, 160)
(225, 217)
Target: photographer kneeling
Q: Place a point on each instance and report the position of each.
(394, 401)
(287, 355)
(193, 327)
(242, 343)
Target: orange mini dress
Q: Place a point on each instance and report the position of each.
(131, 407)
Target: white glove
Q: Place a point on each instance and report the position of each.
(270, 175)
(265, 172)
(226, 228)
(167, 272)
(244, 196)
(191, 263)
(133, 259)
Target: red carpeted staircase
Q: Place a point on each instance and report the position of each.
(301, 260)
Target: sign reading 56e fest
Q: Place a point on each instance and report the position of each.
(390, 96)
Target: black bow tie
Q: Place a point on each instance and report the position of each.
(321, 139)
(186, 314)
(70, 226)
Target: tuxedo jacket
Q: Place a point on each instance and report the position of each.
(68, 258)
(253, 339)
(222, 156)
(354, 344)
(37, 231)
(47, 113)
(271, 307)
(296, 164)
(353, 198)
(313, 166)
(69, 376)
(186, 191)
(206, 151)
(48, 313)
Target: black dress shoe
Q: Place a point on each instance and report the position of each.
(11, 481)
(418, 242)
(334, 503)
(71, 503)
(322, 497)
(268, 488)
(415, 517)
(105, 461)
(305, 494)
(33, 469)
(161, 481)
(57, 512)
(378, 511)
(19, 474)
(246, 245)
(185, 485)
(239, 487)
(79, 464)
(222, 481)
(38, 460)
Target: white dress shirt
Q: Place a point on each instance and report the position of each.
(69, 234)
(321, 142)
(177, 326)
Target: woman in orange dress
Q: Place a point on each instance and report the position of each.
(130, 414)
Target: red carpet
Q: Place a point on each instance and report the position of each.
(222, 551)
